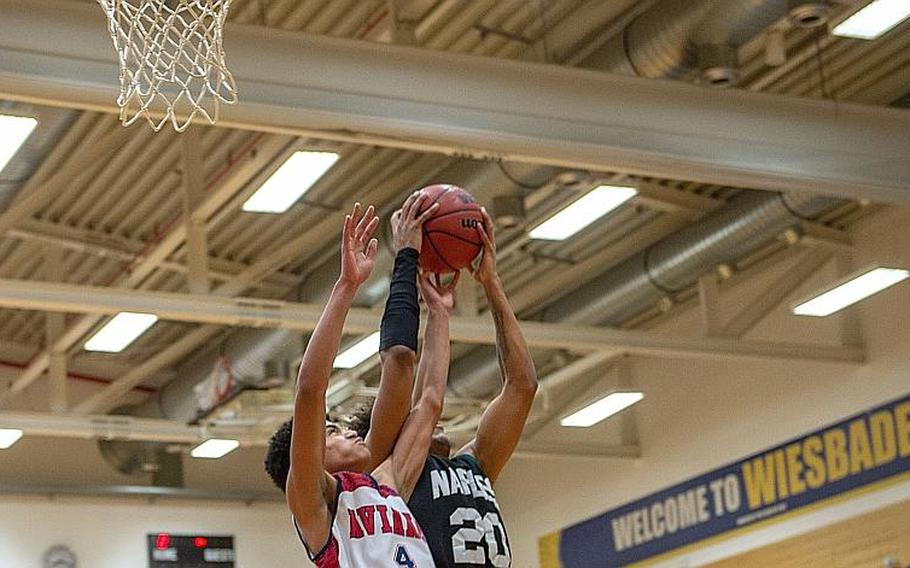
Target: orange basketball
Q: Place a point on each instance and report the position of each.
(450, 238)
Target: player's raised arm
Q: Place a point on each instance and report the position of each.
(504, 419)
(309, 489)
(398, 331)
(410, 453)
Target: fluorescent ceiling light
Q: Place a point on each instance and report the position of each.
(601, 409)
(874, 20)
(118, 333)
(358, 353)
(295, 176)
(851, 292)
(13, 132)
(8, 437)
(214, 448)
(584, 211)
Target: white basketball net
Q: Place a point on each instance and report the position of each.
(171, 59)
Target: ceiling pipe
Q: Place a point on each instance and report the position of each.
(486, 106)
(688, 40)
(663, 43)
(253, 355)
(663, 269)
(660, 41)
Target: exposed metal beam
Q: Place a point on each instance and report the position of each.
(128, 250)
(121, 427)
(557, 284)
(107, 398)
(261, 151)
(687, 205)
(818, 235)
(192, 185)
(314, 85)
(708, 297)
(569, 384)
(36, 195)
(54, 326)
(253, 312)
(774, 294)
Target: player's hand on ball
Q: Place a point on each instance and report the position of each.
(440, 298)
(407, 222)
(485, 271)
(358, 247)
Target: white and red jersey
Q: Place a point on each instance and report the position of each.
(372, 527)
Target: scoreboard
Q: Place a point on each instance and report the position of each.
(190, 551)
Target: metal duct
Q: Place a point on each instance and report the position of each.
(664, 41)
(52, 123)
(252, 353)
(659, 43)
(669, 266)
(256, 358)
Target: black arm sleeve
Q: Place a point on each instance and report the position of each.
(401, 318)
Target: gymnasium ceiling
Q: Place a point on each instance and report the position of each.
(115, 218)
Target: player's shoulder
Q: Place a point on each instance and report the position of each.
(468, 459)
(350, 481)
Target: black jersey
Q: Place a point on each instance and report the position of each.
(456, 507)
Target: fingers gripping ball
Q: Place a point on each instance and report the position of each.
(450, 238)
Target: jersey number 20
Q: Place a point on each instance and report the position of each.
(485, 528)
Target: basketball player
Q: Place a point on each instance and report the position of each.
(346, 518)
(453, 500)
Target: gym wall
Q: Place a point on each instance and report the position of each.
(710, 413)
(111, 533)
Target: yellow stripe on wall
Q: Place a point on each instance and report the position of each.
(851, 494)
(548, 547)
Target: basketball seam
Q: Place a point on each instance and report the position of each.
(438, 197)
(462, 239)
(434, 217)
(436, 250)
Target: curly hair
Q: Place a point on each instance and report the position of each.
(278, 455)
(358, 419)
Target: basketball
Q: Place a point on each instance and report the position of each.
(450, 238)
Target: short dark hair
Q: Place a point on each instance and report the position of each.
(278, 455)
(359, 418)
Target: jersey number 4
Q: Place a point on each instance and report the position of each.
(402, 558)
(484, 530)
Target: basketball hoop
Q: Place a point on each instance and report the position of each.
(172, 64)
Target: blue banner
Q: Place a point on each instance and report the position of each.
(863, 449)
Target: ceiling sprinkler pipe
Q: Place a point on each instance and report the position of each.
(808, 14)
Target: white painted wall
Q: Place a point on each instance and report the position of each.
(111, 533)
(699, 415)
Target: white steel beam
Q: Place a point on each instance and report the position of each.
(708, 297)
(774, 294)
(192, 185)
(54, 326)
(687, 205)
(117, 427)
(254, 312)
(336, 88)
(261, 151)
(127, 250)
(36, 194)
(568, 385)
(818, 235)
(557, 284)
(107, 398)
